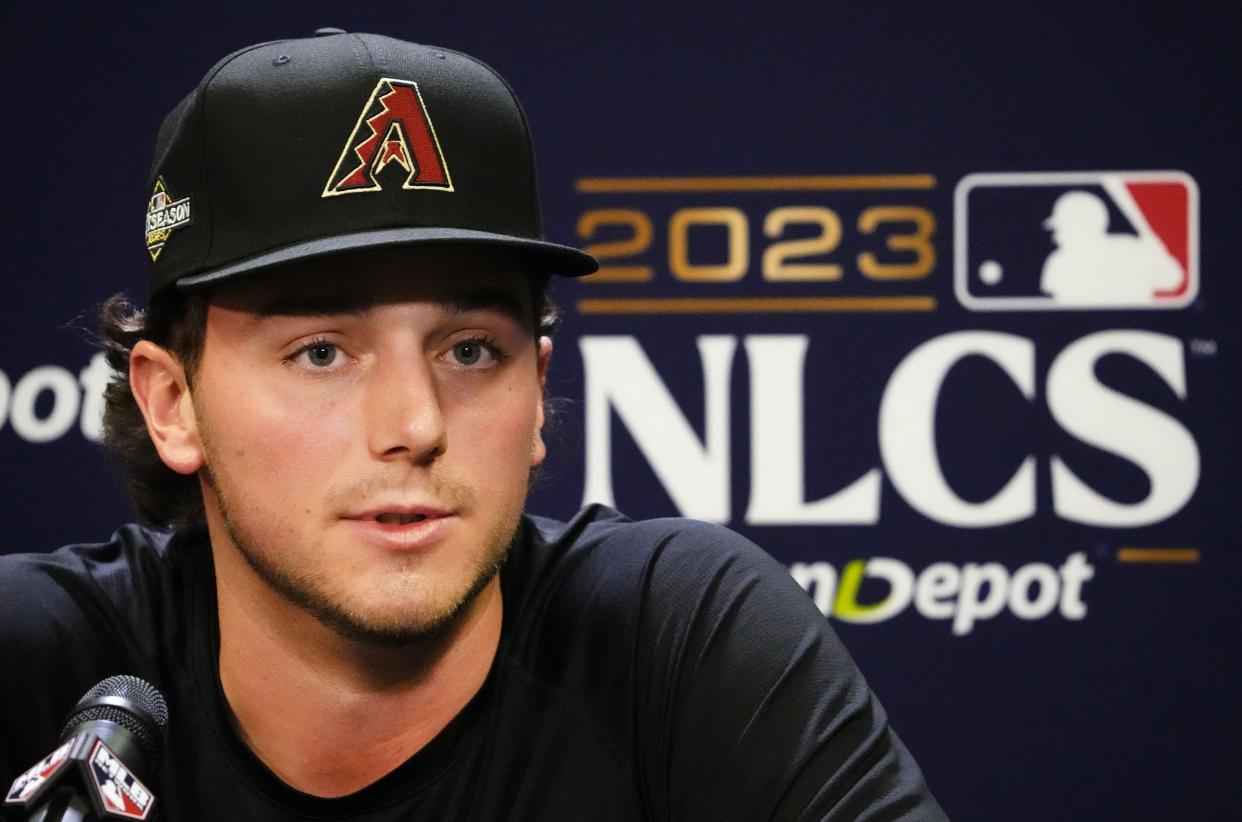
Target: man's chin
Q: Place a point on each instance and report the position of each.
(396, 625)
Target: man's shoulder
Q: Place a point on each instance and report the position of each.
(121, 585)
(694, 653)
(71, 617)
(604, 531)
(602, 565)
(600, 601)
(663, 558)
(108, 566)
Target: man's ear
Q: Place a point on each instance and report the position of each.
(538, 450)
(163, 395)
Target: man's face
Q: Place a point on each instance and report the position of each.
(369, 424)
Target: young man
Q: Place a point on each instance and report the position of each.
(334, 404)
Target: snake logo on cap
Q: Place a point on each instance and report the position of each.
(392, 130)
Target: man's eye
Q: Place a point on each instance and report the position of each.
(320, 354)
(471, 352)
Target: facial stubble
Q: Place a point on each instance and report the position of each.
(310, 591)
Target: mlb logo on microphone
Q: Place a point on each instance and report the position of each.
(1076, 241)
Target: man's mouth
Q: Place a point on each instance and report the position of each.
(403, 527)
(399, 519)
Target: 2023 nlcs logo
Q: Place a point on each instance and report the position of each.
(777, 253)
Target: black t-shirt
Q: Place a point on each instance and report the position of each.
(664, 669)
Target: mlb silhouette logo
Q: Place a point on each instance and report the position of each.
(1076, 240)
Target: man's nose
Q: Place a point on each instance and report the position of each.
(404, 411)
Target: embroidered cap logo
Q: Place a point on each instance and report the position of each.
(393, 129)
(164, 215)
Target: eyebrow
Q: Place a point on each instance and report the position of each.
(329, 305)
(313, 306)
(495, 299)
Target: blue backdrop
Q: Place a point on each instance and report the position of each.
(830, 318)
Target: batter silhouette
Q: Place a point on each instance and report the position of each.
(1093, 267)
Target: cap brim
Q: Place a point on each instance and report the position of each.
(548, 257)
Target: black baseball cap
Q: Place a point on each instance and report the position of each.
(339, 142)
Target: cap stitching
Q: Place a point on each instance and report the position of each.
(366, 50)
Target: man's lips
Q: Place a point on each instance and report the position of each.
(396, 518)
(399, 514)
(402, 527)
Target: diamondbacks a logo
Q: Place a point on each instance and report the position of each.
(1077, 240)
(164, 215)
(393, 129)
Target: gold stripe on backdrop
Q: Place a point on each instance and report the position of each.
(821, 182)
(754, 305)
(1184, 555)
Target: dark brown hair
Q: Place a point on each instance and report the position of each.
(177, 322)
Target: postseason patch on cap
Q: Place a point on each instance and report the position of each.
(164, 215)
(393, 129)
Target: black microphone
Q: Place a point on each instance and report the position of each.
(111, 741)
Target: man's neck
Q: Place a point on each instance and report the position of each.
(291, 683)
